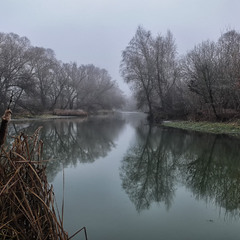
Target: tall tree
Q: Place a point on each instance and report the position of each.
(200, 72)
(229, 70)
(137, 68)
(166, 71)
(150, 65)
(14, 59)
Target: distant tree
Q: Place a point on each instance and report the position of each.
(74, 77)
(98, 90)
(39, 82)
(59, 82)
(43, 64)
(130, 104)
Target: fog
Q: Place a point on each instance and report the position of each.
(96, 32)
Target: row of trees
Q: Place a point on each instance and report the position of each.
(40, 82)
(204, 82)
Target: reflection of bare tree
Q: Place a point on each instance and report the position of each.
(212, 171)
(148, 170)
(69, 141)
(160, 158)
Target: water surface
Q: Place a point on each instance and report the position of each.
(127, 180)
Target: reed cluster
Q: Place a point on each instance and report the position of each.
(27, 208)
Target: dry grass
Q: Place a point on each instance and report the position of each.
(69, 112)
(26, 199)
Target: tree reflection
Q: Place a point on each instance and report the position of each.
(161, 159)
(155, 164)
(212, 172)
(148, 170)
(69, 141)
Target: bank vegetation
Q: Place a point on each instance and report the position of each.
(203, 84)
(39, 82)
(224, 128)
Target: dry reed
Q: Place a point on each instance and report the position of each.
(70, 112)
(27, 209)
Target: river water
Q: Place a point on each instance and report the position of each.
(126, 180)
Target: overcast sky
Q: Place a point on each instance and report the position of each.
(96, 31)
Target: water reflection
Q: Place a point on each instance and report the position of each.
(146, 174)
(212, 171)
(161, 159)
(70, 141)
(158, 161)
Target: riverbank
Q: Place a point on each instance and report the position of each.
(231, 128)
(61, 114)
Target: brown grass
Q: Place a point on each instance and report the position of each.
(69, 112)
(26, 199)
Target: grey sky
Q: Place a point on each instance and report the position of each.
(96, 31)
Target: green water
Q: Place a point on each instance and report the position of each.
(126, 180)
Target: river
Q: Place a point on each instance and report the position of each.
(126, 180)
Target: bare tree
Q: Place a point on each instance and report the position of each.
(13, 65)
(39, 82)
(150, 65)
(137, 68)
(229, 70)
(200, 72)
(166, 72)
(97, 87)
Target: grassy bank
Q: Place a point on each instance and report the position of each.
(232, 129)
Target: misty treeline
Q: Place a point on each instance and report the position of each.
(202, 84)
(39, 82)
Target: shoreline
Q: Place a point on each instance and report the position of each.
(222, 128)
(231, 128)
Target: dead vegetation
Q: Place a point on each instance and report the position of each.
(69, 112)
(27, 209)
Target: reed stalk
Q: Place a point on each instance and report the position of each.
(27, 209)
